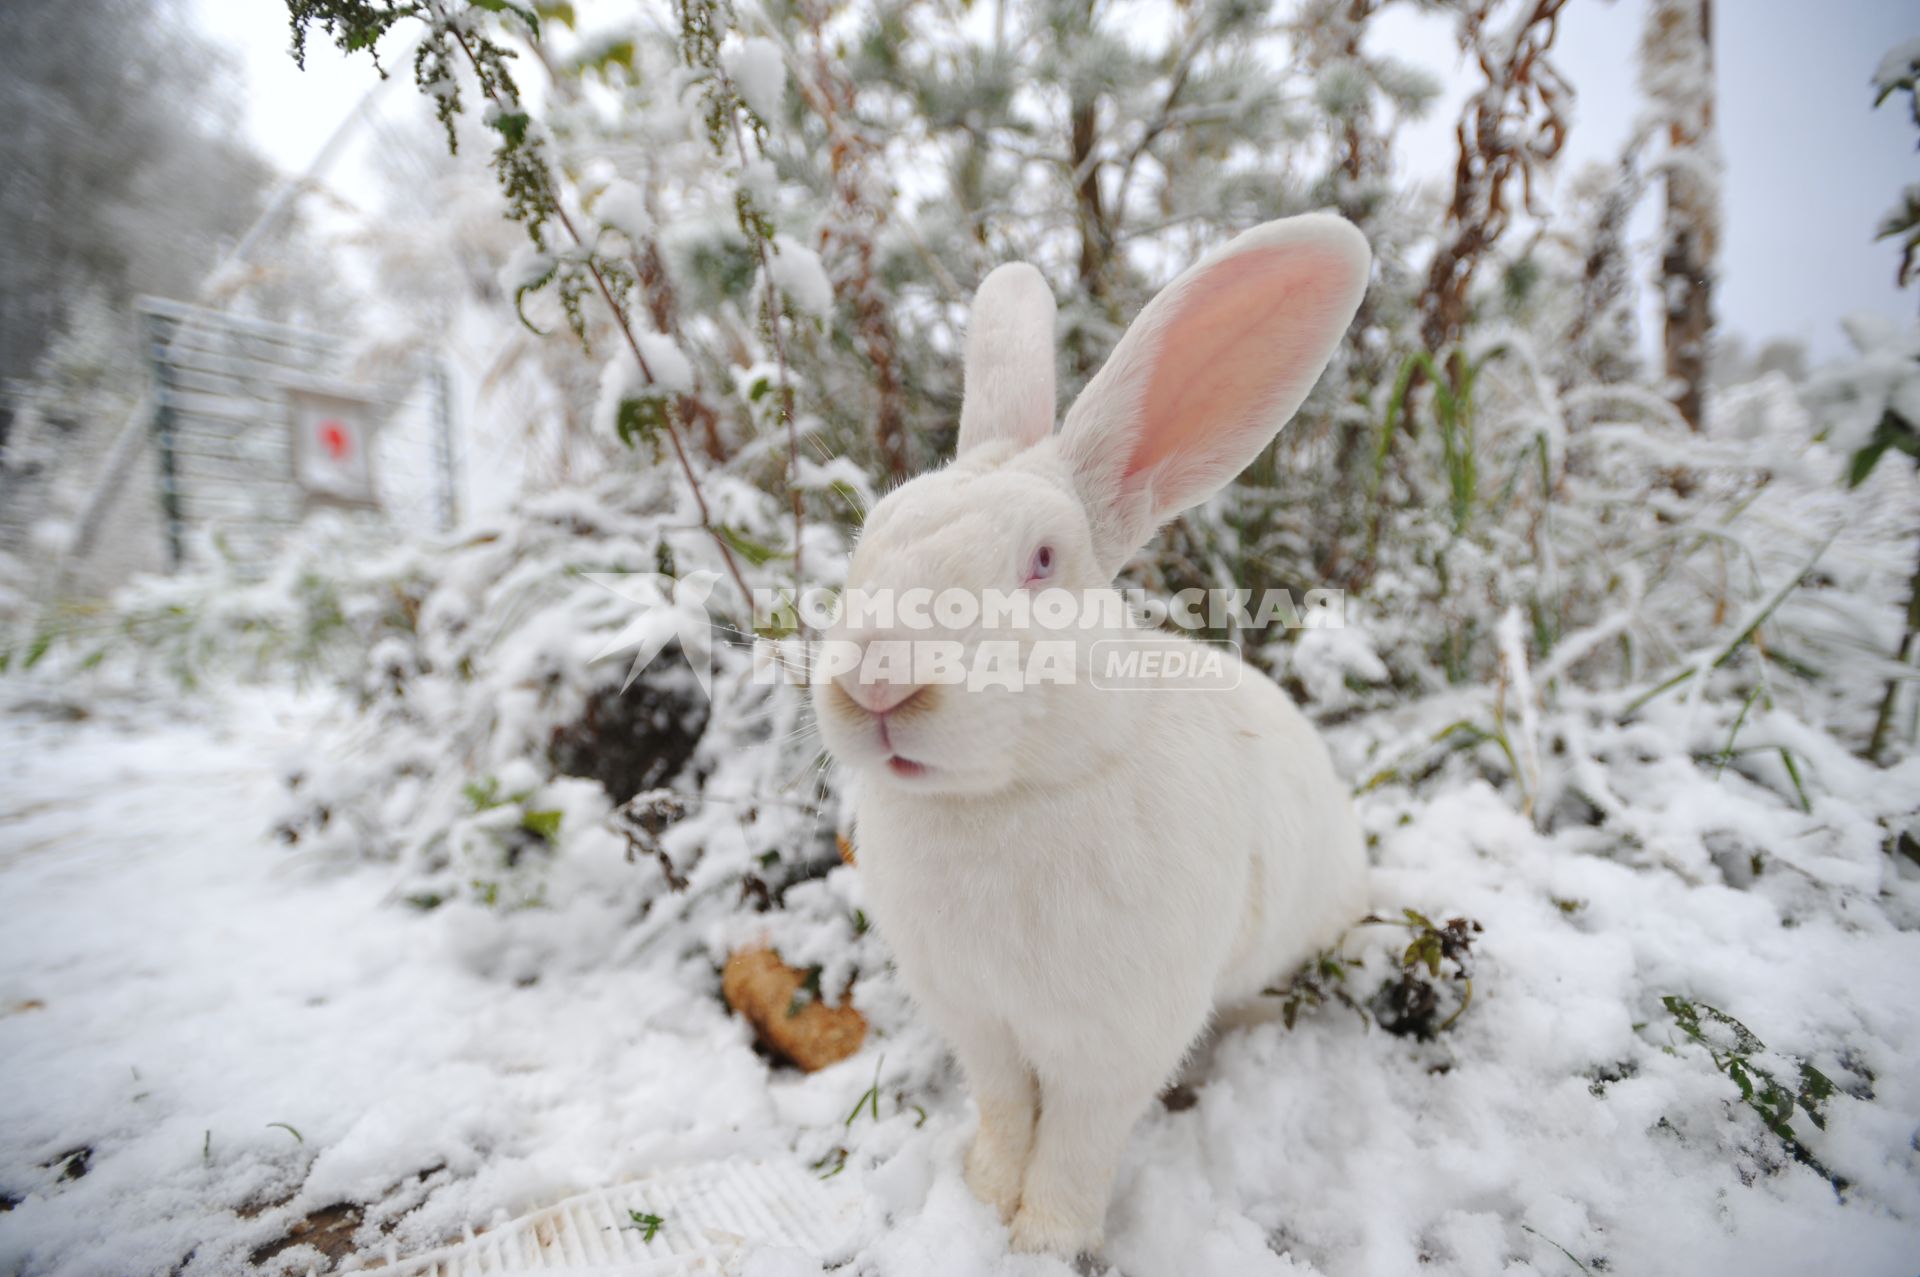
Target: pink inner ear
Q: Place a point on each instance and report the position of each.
(1246, 332)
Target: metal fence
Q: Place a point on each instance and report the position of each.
(222, 430)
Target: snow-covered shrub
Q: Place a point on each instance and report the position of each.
(1870, 405)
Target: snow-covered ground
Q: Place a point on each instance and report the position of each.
(210, 1038)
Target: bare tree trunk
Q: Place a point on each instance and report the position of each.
(1677, 73)
(1688, 288)
(1096, 239)
(1090, 214)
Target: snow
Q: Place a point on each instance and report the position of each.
(1897, 66)
(1324, 659)
(619, 381)
(193, 988)
(761, 180)
(671, 369)
(525, 268)
(781, 1263)
(797, 272)
(176, 980)
(1883, 376)
(759, 73)
(812, 475)
(622, 206)
(621, 378)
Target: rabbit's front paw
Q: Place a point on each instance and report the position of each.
(1040, 1228)
(994, 1175)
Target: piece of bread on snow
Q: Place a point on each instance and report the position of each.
(802, 1030)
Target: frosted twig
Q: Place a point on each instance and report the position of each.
(633, 344)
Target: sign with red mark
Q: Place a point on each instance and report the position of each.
(336, 438)
(332, 453)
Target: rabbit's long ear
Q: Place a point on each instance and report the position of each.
(1009, 370)
(1209, 372)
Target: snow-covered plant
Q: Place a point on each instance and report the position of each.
(1758, 1073)
(313, 616)
(646, 385)
(1899, 72)
(1676, 76)
(1512, 128)
(1580, 561)
(1870, 406)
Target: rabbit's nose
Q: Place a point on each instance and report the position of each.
(882, 680)
(878, 698)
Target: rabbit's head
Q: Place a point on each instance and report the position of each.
(1203, 379)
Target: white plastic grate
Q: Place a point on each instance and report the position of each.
(710, 1213)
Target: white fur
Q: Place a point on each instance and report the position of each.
(1010, 383)
(1081, 876)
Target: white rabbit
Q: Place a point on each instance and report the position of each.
(1071, 877)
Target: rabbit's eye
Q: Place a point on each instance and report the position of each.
(1041, 565)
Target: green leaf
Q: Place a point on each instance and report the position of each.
(1865, 460)
(533, 286)
(1557, 1246)
(642, 420)
(544, 823)
(36, 650)
(1726, 751)
(599, 57)
(510, 125)
(1738, 1073)
(1793, 774)
(779, 626)
(1893, 431)
(1684, 1013)
(648, 1224)
(1816, 1088)
(870, 1098)
(520, 11)
(752, 551)
(482, 794)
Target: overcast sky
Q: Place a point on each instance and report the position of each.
(1810, 167)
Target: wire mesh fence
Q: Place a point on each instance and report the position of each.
(222, 414)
